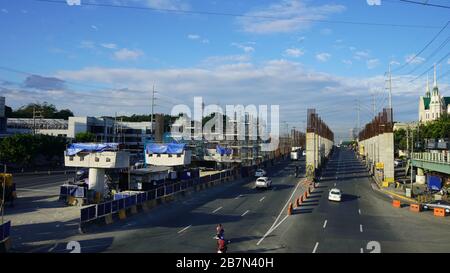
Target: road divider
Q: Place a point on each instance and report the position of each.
(5, 240)
(415, 207)
(439, 212)
(396, 203)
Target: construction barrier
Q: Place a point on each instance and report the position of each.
(290, 209)
(415, 207)
(439, 212)
(143, 198)
(396, 204)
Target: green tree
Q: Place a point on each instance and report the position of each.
(47, 111)
(85, 137)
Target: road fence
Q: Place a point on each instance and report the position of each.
(94, 212)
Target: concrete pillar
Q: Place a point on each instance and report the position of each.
(387, 155)
(310, 149)
(97, 180)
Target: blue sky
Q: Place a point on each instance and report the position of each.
(118, 53)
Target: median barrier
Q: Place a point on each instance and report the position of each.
(439, 212)
(5, 240)
(415, 207)
(396, 204)
(290, 209)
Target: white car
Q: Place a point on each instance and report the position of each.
(335, 195)
(304, 153)
(263, 182)
(260, 173)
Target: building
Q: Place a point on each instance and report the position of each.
(2, 116)
(105, 129)
(433, 105)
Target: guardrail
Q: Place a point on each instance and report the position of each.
(96, 211)
(432, 157)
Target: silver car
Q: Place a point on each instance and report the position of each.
(438, 204)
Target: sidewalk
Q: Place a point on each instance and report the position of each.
(392, 193)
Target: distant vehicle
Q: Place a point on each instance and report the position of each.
(263, 182)
(260, 173)
(438, 204)
(335, 195)
(304, 153)
(82, 174)
(295, 155)
(398, 163)
(139, 164)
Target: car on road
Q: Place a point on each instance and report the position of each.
(263, 182)
(398, 163)
(82, 173)
(260, 173)
(335, 195)
(438, 204)
(304, 153)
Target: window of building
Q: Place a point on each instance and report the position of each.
(170, 155)
(178, 155)
(81, 158)
(108, 159)
(97, 159)
(70, 158)
(159, 155)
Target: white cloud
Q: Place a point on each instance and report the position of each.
(323, 57)
(372, 63)
(168, 4)
(413, 59)
(94, 27)
(4, 10)
(87, 44)
(216, 60)
(448, 62)
(109, 45)
(285, 83)
(245, 47)
(301, 39)
(286, 16)
(193, 36)
(205, 41)
(326, 31)
(125, 54)
(294, 52)
(359, 55)
(347, 62)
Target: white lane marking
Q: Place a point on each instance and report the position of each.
(240, 195)
(260, 200)
(359, 211)
(28, 189)
(315, 247)
(325, 223)
(216, 210)
(245, 213)
(335, 184)
(282, 220)
(279, 215)
(184, 229)
(360, 228)
(53, 247)
(362, 251)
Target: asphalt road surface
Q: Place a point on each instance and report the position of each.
(257, 221)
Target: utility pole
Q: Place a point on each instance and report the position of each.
(36, 114)
(3, 191)
(390, 87)
(410, 160)
(358, 109)
(151, 119)
(373, 105)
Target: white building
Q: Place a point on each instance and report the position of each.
(433, 105)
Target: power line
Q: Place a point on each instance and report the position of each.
(425, 4)
(243, 15)
(426, 71)
(442, 45)
(423, 49)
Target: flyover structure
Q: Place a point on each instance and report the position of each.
(319, 142)
(376, 145)
(98, 158)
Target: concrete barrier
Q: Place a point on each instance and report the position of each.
(133, 209)
(122, 214)
(5, 245)
(439, 212)
(396, 203)
(109, 219)
(290, 209)
(415, 207)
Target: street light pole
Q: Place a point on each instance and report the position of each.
(3, 191)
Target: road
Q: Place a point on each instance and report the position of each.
(257, 221)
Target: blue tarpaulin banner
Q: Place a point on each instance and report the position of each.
(170, 148)
(75, 148)
(434, 182)
(223, 151)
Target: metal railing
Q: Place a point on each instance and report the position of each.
(93, 212)
(432, 157)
